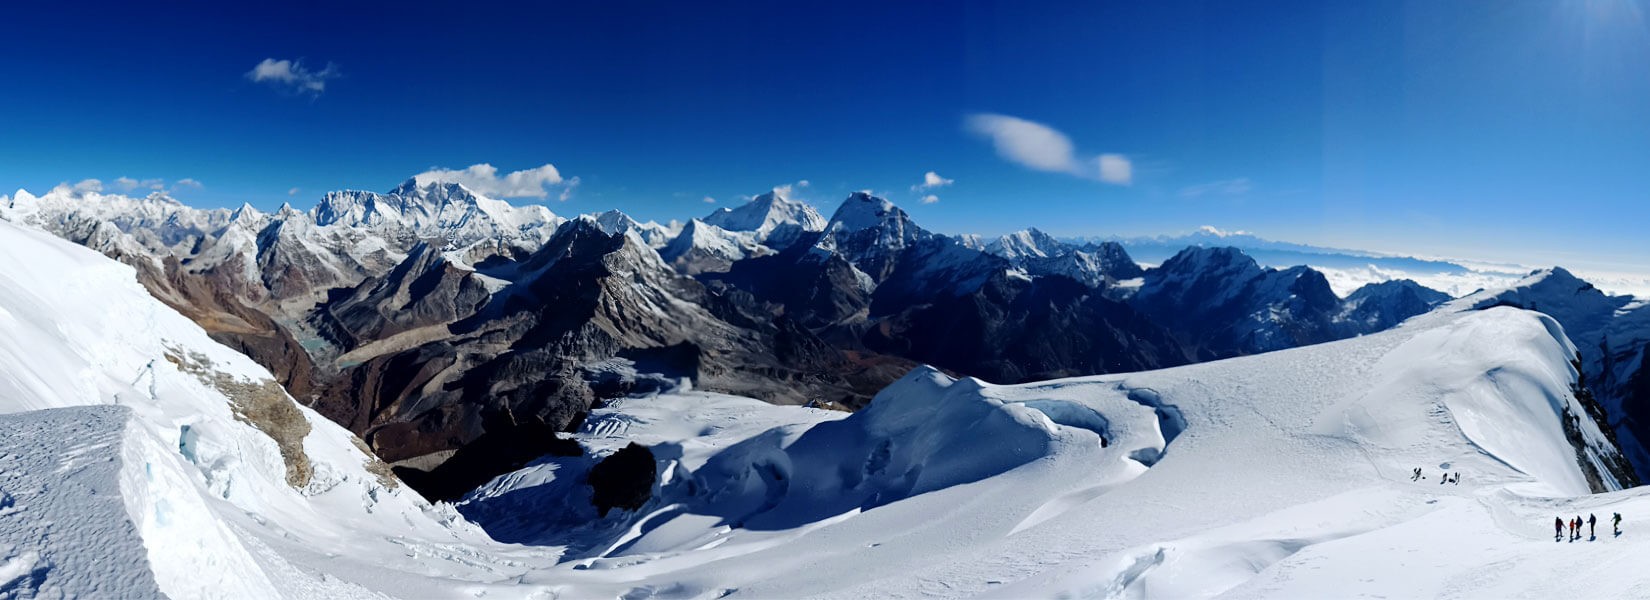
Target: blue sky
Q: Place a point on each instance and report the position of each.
(1497, 130)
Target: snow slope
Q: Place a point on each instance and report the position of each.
(1282, 474)
(233, 489)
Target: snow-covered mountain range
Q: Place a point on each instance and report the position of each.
(140, 455)
(389, 313)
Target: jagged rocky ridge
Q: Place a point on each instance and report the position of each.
(431, 319)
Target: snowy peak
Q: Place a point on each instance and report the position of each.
(1402, 290)
(702, 247)
(863, 211)
(1027, 243)
(774, 219)
(867, 226)
(408, 203)
(1582, 308)
(1382, 305)
(434, 210)
(1200, 263)
(615, 222)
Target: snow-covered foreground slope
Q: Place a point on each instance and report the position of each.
(1278, 475)
(227, 488)
(1285, 474)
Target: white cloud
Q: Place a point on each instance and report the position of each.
(784, 189)
(710, 200)
(1218, 232)
(484, 179)
(292, 76)
(186, 183)
(932, 180)
(292, 192)
(127, 184)
(1116, 168)
(1228, 187)
(930, 199)
(79, 188)
(1039, 147)
(567, 191)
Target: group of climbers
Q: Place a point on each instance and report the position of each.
(1576, 524)
(1447, 477)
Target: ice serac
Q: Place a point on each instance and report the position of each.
(773, 219)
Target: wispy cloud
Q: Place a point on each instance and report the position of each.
(1227, 187)
(484, 179)
(930, 199)
(292, 192)
(127, 185)
(1116, 168)
(292, 76)
(709, 200)
(567, 190)
(1039, 147)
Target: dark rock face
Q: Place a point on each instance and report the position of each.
(815, 293)
(1220, 303)
(585, 298)
(507, 446)
(623, 480)
(424, 290)
(1384, 305)
(1013, 330)
(1610, 460)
